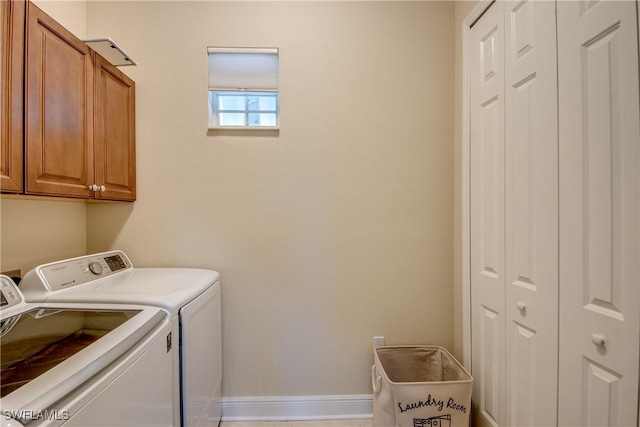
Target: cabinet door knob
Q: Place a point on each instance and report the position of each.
(521, 306)
(103, 188)
(598, 339)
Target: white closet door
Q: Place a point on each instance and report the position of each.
(599, 213)
(487, 216)
(531, 203)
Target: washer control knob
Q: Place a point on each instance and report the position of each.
(95, 268)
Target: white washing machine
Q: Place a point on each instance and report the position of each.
(83, 364)
(191, 296)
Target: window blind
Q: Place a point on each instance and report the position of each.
(243, 69)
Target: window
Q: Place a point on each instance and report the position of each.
(243, 88)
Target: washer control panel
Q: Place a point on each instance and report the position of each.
(78, 271)
(9, 293)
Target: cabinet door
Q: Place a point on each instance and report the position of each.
(59, 109)
(12, 15)
(114, 132)
(599, 213)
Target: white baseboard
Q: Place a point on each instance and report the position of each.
(287, 408)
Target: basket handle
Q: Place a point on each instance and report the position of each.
(375, 380)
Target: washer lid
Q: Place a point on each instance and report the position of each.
(49, 351)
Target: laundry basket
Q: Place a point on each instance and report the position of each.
(419, 386)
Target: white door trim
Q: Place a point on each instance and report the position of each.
(476, 13)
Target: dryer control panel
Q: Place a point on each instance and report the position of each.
(81, 270)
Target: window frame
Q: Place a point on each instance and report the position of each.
(214, 111)
(233, 75)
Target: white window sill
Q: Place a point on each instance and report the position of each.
(247, 128)
(241, 131)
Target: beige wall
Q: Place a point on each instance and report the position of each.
(336, 229)
(72, 14)
(33, 232)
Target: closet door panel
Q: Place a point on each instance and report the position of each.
(531, 203)
(487, 216)
(599, 213)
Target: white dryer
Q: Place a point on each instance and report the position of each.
(83, 364)
(191, 296)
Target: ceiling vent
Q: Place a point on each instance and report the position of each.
(110, 51)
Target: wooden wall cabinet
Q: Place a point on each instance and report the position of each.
(58, 109)
(12, 16)
(114, 137)
(79, 115)
(80, 133)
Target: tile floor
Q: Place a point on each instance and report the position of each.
(316, 423)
